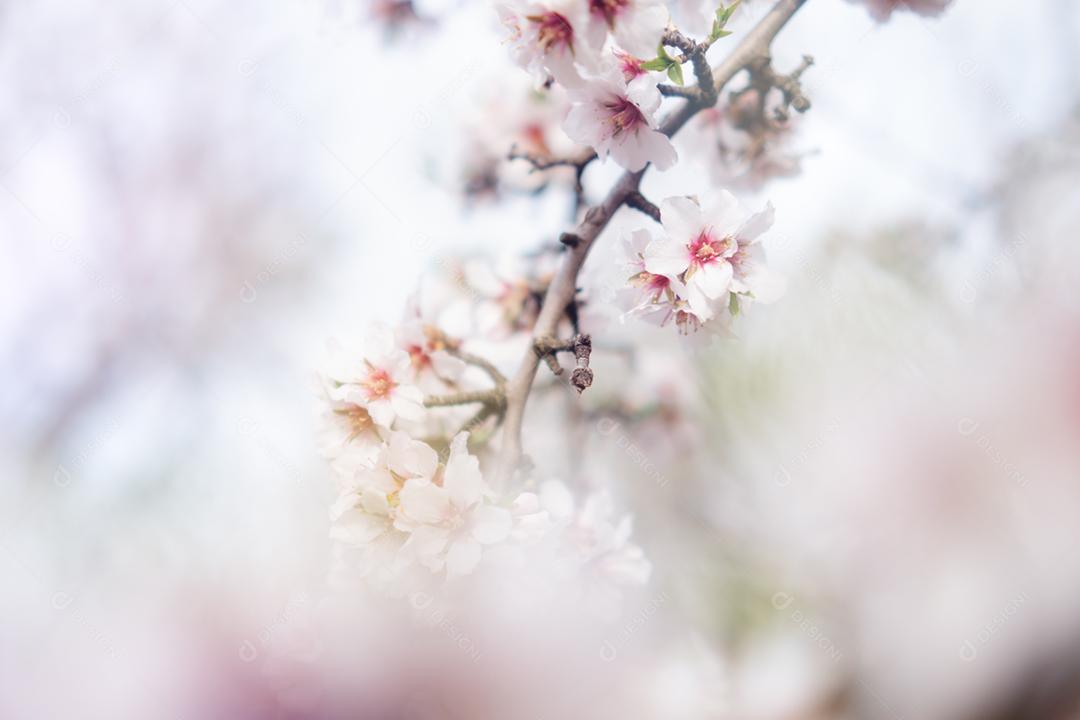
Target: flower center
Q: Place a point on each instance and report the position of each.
(418, 357)
(625, 115)
(705, 249)
(630, 66)
(553, 30)
(608, 8)
(358, 419)
(378, 384)
(655, 284)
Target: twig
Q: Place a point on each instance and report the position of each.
(541, 163)
(764, 77)
(689, 93)
(639, 202)
(695, 53)
(563, 287)
(582, 376)
(476, 361)
(467, 397)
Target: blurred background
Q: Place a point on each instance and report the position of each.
(195, 195)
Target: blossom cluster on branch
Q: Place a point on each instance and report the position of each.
(423, 423)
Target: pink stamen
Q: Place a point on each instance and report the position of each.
(553, 30)
(625, 115)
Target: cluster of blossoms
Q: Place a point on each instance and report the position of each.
(707, 264)
(744, 142)
(511, 113)
(594, 49)
(406, 510)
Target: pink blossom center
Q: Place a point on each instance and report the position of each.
(358, 419)
(609, 9)
(419, 357)
(656, 285)
(705, 249)
(625, 116)
(630, 66)
(552, 30)
(378, 384)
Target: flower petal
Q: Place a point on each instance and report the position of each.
(462, 479)
(490, 524)
(462, 558)
(665, 256)
(681, 218)
(424, 502)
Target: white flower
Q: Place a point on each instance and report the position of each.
(546, 35)
(364, 510)
(376, 380)
(636, 25)
(348, 438)
(881, 10)
(604, 546)
(649, 296)
(618, 118)
(427, 347)
(450, 521)
(714, 252)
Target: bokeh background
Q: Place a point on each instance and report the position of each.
(195, 195)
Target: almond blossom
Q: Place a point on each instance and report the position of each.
(375, 380)
(348, 437)
(882, 10)
(618, 118)
(428, 348)
(742, 143)
(450, 518)
(546, 37)
(714, 251)
(650, 296)
(636, 25)
(603, 544)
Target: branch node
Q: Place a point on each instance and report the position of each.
(582, 376)
(569, 239)
(639, 202)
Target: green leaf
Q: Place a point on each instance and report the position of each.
(733, 304)
(661, 62)
(723, 14)
(657, 64)
(675, 73)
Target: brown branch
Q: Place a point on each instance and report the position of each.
(466, 397)
(764, 77)
(476, 361)
(687, 93)
(542, 163)
(695, 53)
(639, 202)
(562, 289)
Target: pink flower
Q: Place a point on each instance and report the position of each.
(428, 348)
(714, 252)
(546, 37)
(451, 518)
(375, 380)
(636, 25)
(881, 10)
(649, 296)
(618, 118)
(742, 143)
(630, 66)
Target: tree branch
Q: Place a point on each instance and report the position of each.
(639, 202)
(695, 53)
(562, 289)
(494, 396)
